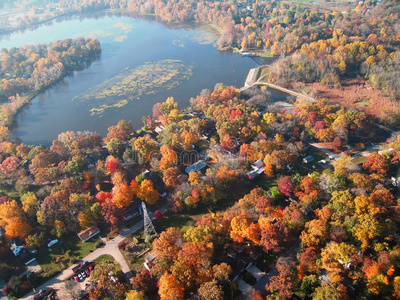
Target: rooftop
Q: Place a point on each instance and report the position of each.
(88, 233)
(196, 166)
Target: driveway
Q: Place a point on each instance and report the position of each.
(110, 248)
(32, 268)
(244, 287)
(256, 272)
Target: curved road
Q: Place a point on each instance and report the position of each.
(251, 81)
(110, 248)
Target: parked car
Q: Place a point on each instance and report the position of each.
(51, 243)
(76, 278)
(83, 274)
(77, 267)
(80, 277)
(87, 272)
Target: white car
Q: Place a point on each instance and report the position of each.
(51, 243)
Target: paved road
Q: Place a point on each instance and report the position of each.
(322, 149)
(251, 81)
(110, 248)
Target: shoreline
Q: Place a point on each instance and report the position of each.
(30, 95)
(10, 122)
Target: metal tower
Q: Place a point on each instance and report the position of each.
(149, 230)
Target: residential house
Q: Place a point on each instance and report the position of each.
(308, 159)
(201, 164)
(258, 168)
(88, 233)
(239, 260)
(253, 174)
(16, 246)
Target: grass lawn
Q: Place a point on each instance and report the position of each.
(318, 155)
(9, 191)
(182, 221)
(261, 72)
(47, 257)
(79, 249)
(135, 263)
(131, 255)
(264, 53)
(66, 252)
(359, 160)
(104, 258)
(303, 169)
(263, 181)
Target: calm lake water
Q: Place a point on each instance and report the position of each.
(126, 43)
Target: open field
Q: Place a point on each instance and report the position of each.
(357, 94)
(339, 5)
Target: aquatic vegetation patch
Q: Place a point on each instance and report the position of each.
(103, 107)
(99, 33)
(130, 84)
(207, 35)
(179, 43)
(123, 26)
(121, 38)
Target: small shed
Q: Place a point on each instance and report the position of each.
(88, 233)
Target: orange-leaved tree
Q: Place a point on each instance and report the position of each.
(169, 157)
(122, 195)
(16, 227)
(169, 288)
(193, 264)
(8, 210)
(147, 192)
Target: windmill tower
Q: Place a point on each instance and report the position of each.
(149, 231)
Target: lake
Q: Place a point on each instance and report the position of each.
(161, 62)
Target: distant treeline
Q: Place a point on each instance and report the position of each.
(320, 45)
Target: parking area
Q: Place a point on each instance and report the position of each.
(82, 273)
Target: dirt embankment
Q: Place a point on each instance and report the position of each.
(357, 94)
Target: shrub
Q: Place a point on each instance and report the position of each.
(122, 245)
(158, 215)
(99, 244)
